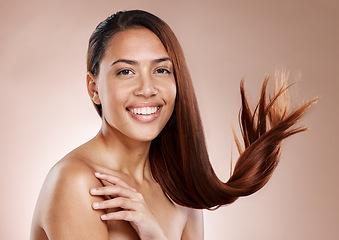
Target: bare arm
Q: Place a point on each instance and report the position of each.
(64, 204)
(194, 228)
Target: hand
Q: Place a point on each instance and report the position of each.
(132, 204)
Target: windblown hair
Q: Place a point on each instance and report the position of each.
(178, 155)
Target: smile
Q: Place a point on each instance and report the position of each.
(145, 114)
(144, 110)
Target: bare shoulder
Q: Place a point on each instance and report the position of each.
(71, 175)
(64, 206)
(194, 228)
(71, 169)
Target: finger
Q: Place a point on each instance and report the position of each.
(113, 191)
(120, 202)
(113, 179)
(130, 216)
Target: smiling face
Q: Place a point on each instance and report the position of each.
(135, 85)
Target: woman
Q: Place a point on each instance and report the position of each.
(146, 174)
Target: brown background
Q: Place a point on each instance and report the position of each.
(45, 110)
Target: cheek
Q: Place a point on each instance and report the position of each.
(171, 92)
(113, 99)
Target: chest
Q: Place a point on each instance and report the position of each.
(171, 217)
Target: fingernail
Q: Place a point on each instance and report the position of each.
(97, 174)
(103, 217)
(95, 205)
(93, 190)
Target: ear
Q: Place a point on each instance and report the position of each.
(92, 88)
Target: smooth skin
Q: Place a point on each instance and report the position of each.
(104, 189)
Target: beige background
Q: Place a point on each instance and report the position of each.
(45, 110)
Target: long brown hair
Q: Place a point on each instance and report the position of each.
(178, 155)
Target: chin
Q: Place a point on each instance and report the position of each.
(146, 137)
(144, 132)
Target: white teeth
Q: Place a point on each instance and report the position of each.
(144, 110)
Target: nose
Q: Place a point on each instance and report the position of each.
(146, 87)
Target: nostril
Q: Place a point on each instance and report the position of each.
(146, 91)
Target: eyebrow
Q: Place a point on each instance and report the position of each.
(133, 62)
(162, 60)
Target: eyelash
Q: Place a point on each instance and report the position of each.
(163, 71)
(123, 72)
(160, 71)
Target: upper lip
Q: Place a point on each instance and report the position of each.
(144, 104)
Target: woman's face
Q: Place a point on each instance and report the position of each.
(136, 85)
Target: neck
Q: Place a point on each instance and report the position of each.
(124, 154)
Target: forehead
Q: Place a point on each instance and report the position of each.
(135, 44)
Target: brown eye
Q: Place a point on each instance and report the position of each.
(162, 71)
(125, 72)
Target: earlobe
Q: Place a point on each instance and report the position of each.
(92, 88)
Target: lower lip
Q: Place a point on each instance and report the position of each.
(145, 118)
